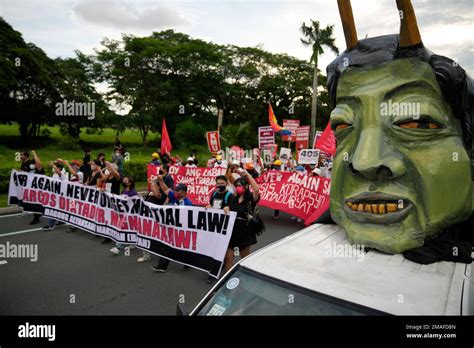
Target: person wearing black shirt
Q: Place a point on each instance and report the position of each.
(96, 173)
(86, 167)
(113, 179)
(243, 204)
(32, 166)
(220, 199)
(101, 159)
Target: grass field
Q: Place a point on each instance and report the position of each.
(49, 148)
(11, 146)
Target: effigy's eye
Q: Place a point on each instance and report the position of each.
(419, 125)
(341, 126)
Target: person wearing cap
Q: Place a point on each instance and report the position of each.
(250, 168)
(178, 197)
(190, 163)
(316, 171)
(220, 163)
(276, 166)
(155, 159)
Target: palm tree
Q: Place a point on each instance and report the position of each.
(317, 38)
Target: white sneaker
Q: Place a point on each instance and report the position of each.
(115, 250)
(145, 257)
(299, 220)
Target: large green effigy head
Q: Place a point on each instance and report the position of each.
(402, 121)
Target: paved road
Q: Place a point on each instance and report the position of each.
(76, 267)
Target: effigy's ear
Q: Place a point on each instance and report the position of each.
(347, 19)
(409, 33)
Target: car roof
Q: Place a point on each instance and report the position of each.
(388, 283)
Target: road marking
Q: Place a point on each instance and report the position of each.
(20, 232)
(3, 262)
(10, 215)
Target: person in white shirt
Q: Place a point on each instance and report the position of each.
(190, 163)
(59, 173)
(75, 174)
(220, 163)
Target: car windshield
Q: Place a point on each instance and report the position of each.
(249, 293)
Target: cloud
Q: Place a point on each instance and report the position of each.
(124, 15)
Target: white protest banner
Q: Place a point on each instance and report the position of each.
(285, 154)
(308, 156)
(196, 237)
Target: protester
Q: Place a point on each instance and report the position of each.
(220, 199)
(158, 197)
(247, 224)
(117, 144)
(32, 166)
(101, 159)
(316, 172)
(113, 178)
(86, 167)
(59, 173)
(249, 166)
(129, 191)
(155, 159)
(96, 173)
(190, 163)
(118, 158)
(277, 165)
(178, 197)
(75, 173)
(210, 162)
(220, 163)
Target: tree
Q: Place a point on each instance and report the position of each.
(29, 83)
(317, 38)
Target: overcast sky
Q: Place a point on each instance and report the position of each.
(60, 27)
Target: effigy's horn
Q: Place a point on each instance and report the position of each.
(347, 19)
(409, 33)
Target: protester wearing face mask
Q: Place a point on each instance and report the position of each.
(96, 173)
(101, 159)
(178, 197)
(190, 163)
(158, 197)
(118, 158)
(129, 191)
(113, 178)
(244, 204)
(220, 163)
(220, 199)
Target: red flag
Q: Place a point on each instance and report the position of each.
(165, 140)
(327, 141)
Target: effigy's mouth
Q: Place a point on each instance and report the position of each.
(377, 207)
